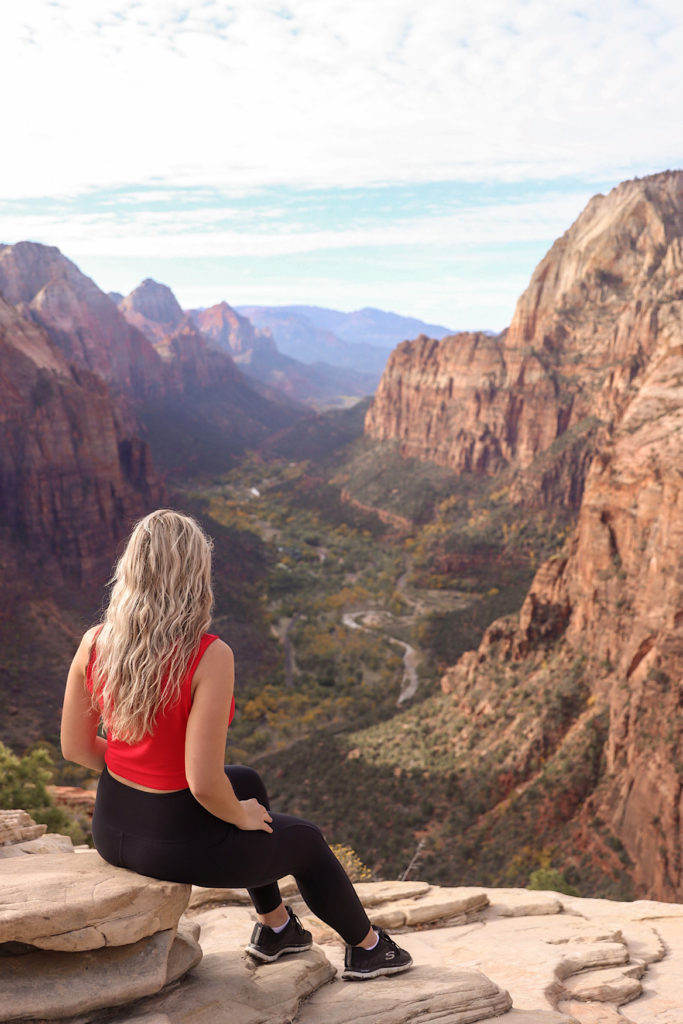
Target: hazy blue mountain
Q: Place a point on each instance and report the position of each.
(360, 340)
(370, 326)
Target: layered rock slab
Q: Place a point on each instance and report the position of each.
(68, 903)
(228, 987)
(46, 985)
(18, 826)
(426, 994)
(78, 935)
(564, 960)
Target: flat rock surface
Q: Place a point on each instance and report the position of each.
(76, 903)
(229, 988)
(662, 998)
(426, 993)
(563, 960)
(522, 903)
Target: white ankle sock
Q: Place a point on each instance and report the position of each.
(280, 927)
(373, 946)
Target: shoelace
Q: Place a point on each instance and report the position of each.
(297, 923)
(387, 938)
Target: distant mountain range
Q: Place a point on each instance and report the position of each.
(360, 340)
(328, 371)
(368, 325)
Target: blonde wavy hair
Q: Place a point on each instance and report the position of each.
(160, 606)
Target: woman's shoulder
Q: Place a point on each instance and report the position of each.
(82, 656)
(215, 648)
(215, 664)
(90, 634)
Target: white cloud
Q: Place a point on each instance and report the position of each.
(237, 95)
(247, 98)
(201, 233)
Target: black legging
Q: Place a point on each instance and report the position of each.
(172, 837)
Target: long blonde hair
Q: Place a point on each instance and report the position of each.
(160, 606)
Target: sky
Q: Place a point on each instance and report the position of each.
(419, 156)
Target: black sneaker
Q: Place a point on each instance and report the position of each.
(385, 958)
(268, 945)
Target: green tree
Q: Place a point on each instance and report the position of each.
(551, 880)
(23, 786)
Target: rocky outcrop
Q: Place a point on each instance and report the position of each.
(232, 333)
(161, 374)
(78, 935)
(479, 954)
(79, 902)
(73, 470)
(563, 960)
(256, 353)
(81, 321)
(18, 827)
(431, 396)
(582, 336)
(611, 607)
(153, 309)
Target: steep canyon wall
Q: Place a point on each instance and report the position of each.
(607, 305)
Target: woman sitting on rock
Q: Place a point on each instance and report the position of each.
(166, 804)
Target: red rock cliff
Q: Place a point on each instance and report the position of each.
(233, 333)
(81, 320)
(74, 473)
(614, 601)
(582, 335)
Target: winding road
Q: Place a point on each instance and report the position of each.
(410, 680)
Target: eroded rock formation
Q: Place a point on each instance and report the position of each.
(611, 607)
(479, 954)
(152, 308)
(233, 333)
(597, 307)
(78, 935)
(73, 470)
(80, 319)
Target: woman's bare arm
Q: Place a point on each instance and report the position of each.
(80, 742)
(207, 729)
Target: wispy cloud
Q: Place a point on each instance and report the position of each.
(215, 231)
(326, 92)
(300, 149)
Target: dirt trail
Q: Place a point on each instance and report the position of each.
(410, 680)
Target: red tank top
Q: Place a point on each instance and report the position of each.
(157, 760)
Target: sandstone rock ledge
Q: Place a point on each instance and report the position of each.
(564, 960)
(77, 935)
(83, 942)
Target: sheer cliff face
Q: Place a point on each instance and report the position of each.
(582, 334)
(232, 333)
(614, 602)
(153, 309)
(82, 321)
(73, 473)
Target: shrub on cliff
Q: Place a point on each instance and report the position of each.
(550, 879)
(23, 786)
(352, 864)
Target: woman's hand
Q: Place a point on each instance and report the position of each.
(256, 817)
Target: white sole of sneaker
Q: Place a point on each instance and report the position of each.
(269, 959)
(366, 975)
